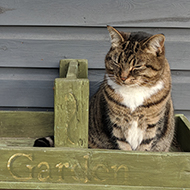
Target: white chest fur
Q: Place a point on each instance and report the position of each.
(134, 96)
(135, 135)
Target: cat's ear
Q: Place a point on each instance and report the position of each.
(155, 44)
(116, 37)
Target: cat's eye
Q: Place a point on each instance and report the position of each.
(138, 66)
(116, 64)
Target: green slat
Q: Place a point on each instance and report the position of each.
(75, 168)
(61, 186)
(26, 124)
(183, 132)
(90, 166)
(82, 67)
(71, 97)
(72, 70)
(15, 141)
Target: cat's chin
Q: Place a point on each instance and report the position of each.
(129, 84)
(117, 82)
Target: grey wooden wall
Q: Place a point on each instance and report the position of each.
(36, 34)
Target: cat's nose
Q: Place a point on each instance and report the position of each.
(124, 75)
(123, 78)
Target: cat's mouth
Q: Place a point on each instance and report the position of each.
(127, 81)
(117, 80)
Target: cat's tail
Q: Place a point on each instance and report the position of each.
(44, 142)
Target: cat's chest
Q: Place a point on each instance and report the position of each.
(133, 97)
(134, 135)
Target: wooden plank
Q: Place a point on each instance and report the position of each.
(183, 132)
(82, 68)
(17, 142)
(90, 166)
(26, 124)
(27, 87)
(26, 93)
(186, 113)
(100, 13)
(61, 186)
(94, 33)
(72, 72)
(33, 88)
(71, 106)
(47, 53)
(31, 74)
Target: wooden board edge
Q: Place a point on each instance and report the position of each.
(19, 123)
(61, 186)
(82, 70)
(89, 167)
(184, 120)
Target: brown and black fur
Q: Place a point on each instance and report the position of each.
(121, 114)
(135, 60)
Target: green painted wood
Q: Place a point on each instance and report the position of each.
(71, 97)
(82, 67)
(26, 124)
(61, 186)
(183, 132)
(94, 167)
(72, 72)
(15, 141)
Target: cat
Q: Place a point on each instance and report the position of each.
(132, 109)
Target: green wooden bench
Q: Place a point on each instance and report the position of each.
(71, 165)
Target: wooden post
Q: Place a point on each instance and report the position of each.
(71, 101)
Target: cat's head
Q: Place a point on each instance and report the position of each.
(135, 58)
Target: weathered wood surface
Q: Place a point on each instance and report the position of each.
(20, 128)
(183, 132)
(71, 99)
(101, 167)
(16, 141)
(30, 61)
(35, 35)
(82, 68)
(60, 186)
(44, 46)
(36, 84)
(87, 13)
(34, 168)
(26, 124)
(38, 94)
(48, 53)
(29, 88)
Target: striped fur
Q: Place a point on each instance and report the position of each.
(132, 110)
(44, 142)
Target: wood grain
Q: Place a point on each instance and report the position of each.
(89, 13)
(26, 124)
(100, 167)
(32, 89)
(61, 186)
(71, 97)
(47, 53)
(36, 35)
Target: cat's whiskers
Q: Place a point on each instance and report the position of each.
(97, 84)
(130, 110)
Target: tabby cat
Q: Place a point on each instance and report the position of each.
(132, 109)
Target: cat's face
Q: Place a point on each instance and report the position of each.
(135, 59)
